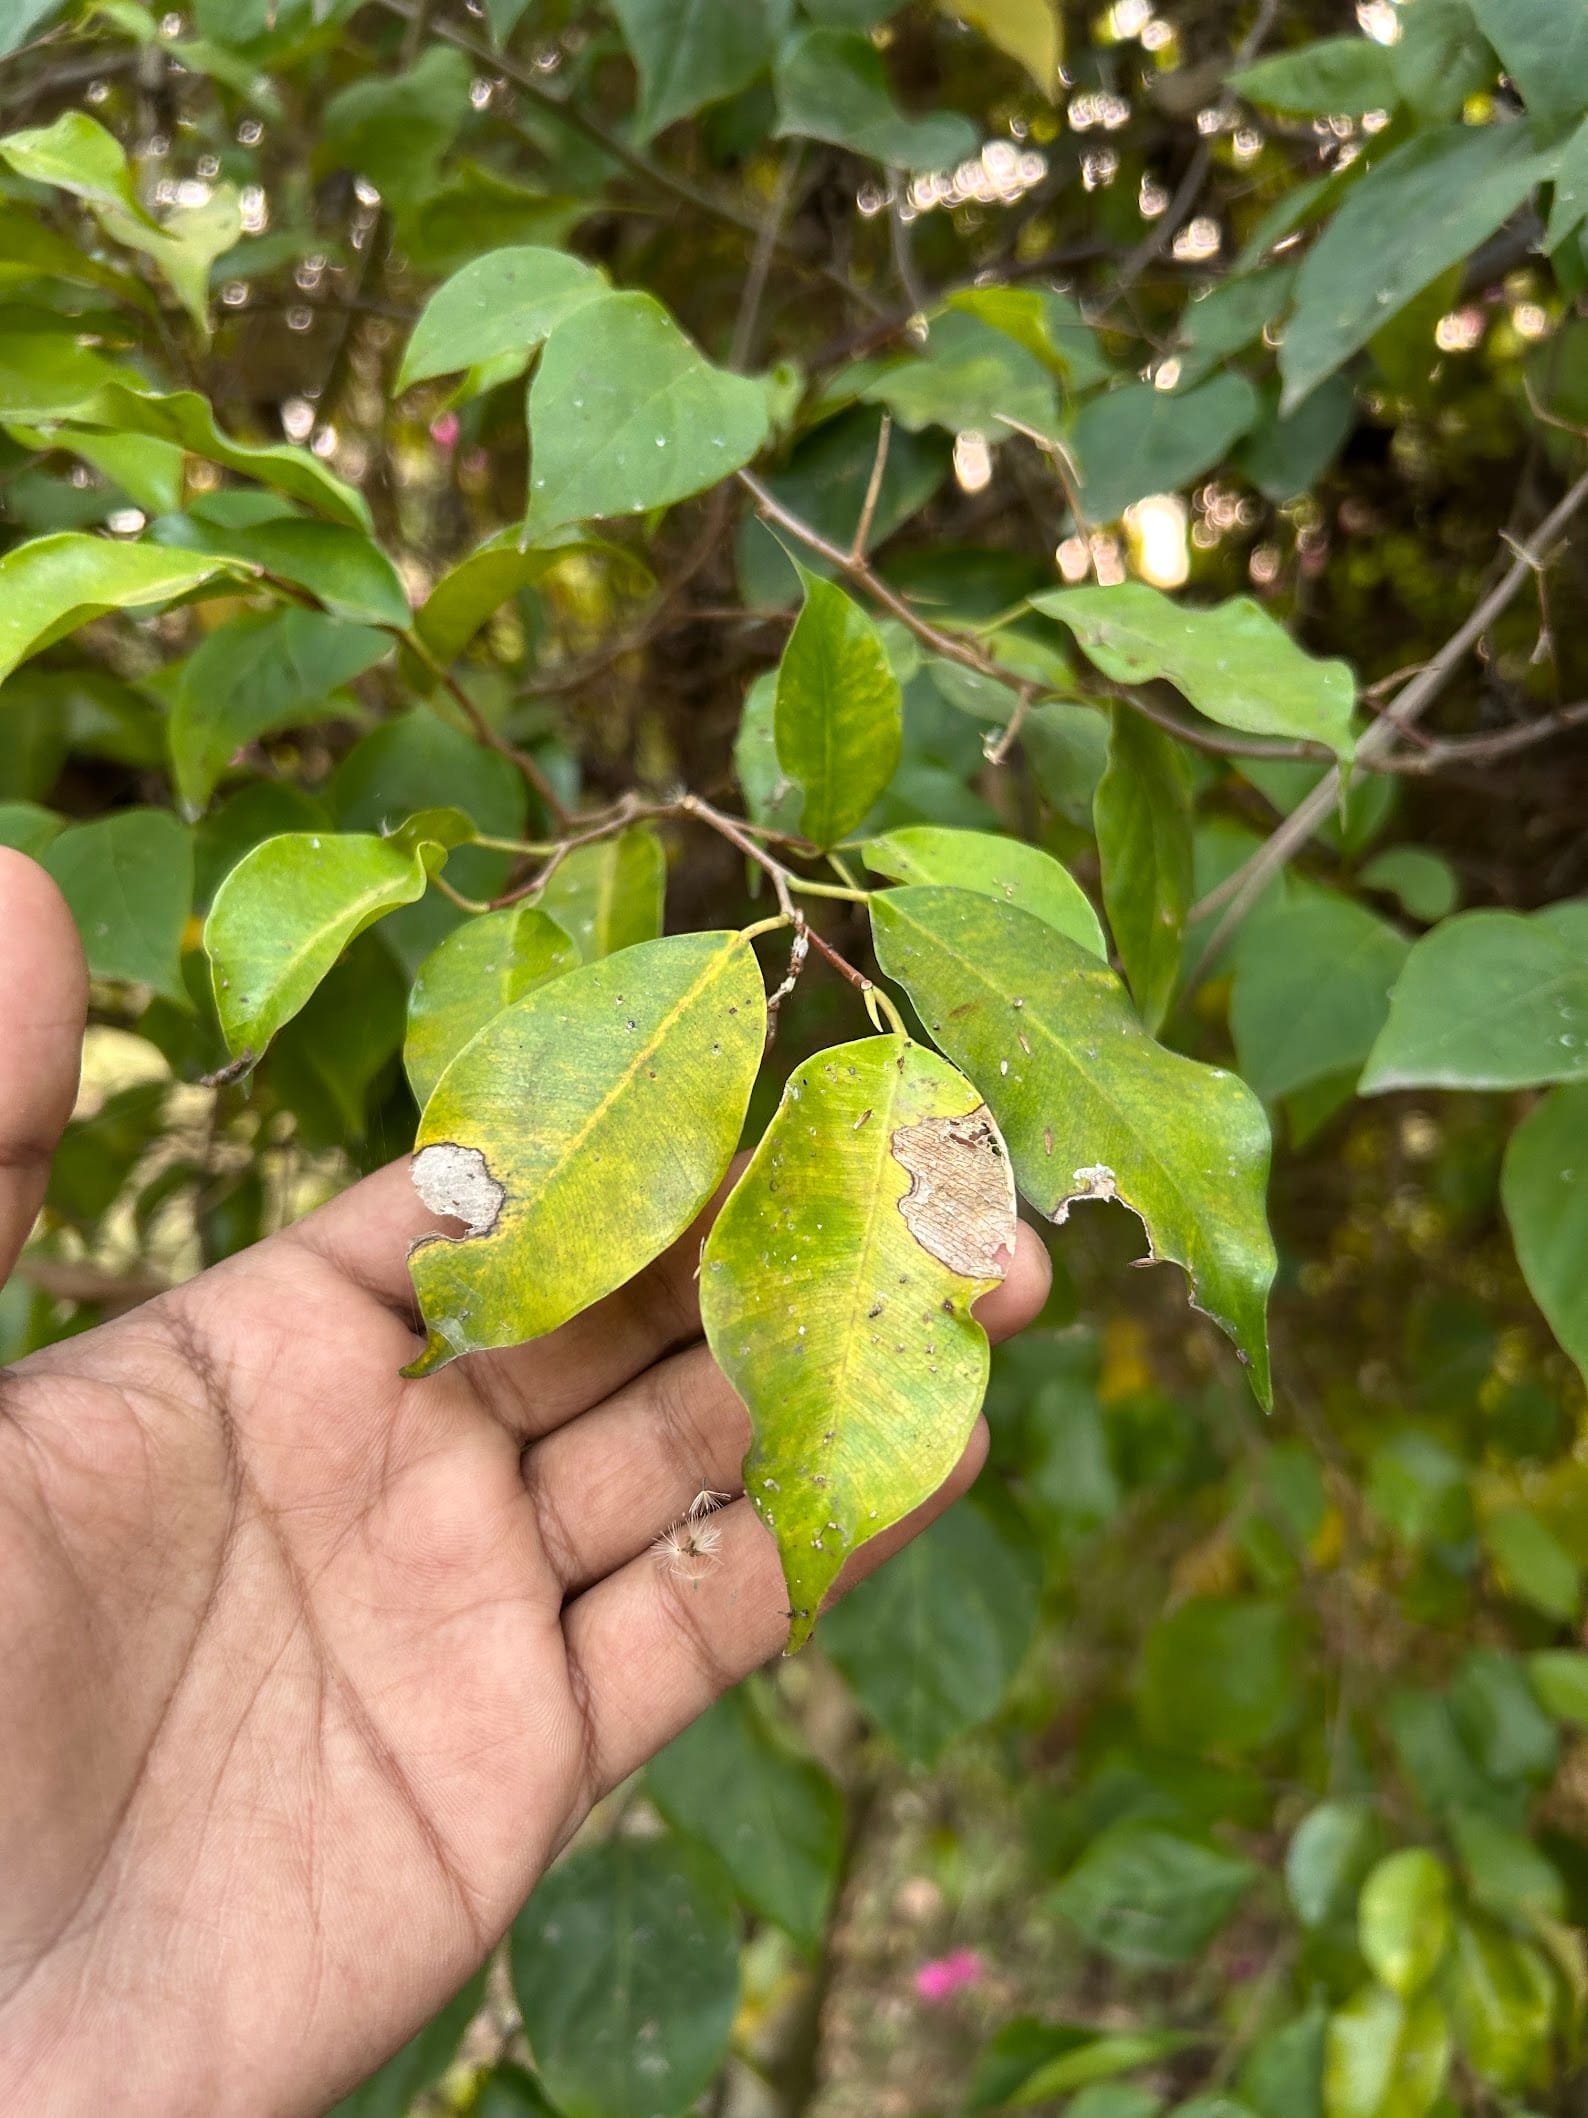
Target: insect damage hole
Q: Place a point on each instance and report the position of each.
(960, 1206)
(457, 1181)
(1097, 1181)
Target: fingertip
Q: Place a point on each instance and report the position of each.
(42, 966)
(1019, 1299)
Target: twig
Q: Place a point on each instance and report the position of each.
(868, 510)
(484, 733)
(1480, 749)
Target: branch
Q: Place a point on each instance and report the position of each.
(1480, 749)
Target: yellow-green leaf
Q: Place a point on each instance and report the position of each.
(610, 895)
(51, 585)
(481, 968)
(580, 1133)
(1403, 1919)
(1030, 31)
(1003, 868)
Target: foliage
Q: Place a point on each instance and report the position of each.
(591, 586)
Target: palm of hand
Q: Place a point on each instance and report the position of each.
(313, 1669)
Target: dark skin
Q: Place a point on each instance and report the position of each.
(310, 1671)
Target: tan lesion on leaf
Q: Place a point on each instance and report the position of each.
(960, 1206)
(457, 1181)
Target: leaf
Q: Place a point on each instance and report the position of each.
(1385, 2058)
(1221, 1676)
(27, 828)
(1313, 977)
(693, 52)
(839, 718)
(1232, 662)
(421, 2062)
(1283, 2074)
(1544, 1187)
(626, 1966)
(394, 129)
(1505, 1871)
(1533, 1564)
(504, 17)
(1416, 213)
(1403, 1919)
(471, 593)
(1337, 77)
(1139, 439)
(128, 879)
(1331, 1852)
(1569, 205)
(1502, 1995)
(287, 911)
(1441, 58)
(832, 85)
(255, 674)
(1544, 49)
(1030, 2062)
(1231, 316)
(770, 795)
(477, 971)
(610, 895)
(1423, 883)
(52, 585)
(772, 1816)
(346, 572)
(579, 1134)
(836, 1288)
(23, 19)
(1151, 1898)
(1287, 453)
(1094, 1108)
(1486, 1000)
(1142, 812)
(967, 375)
(1030, 32)
(625, 415)
(1560, 1677)
(1500, 1720)
(1420, 1489)
(508, 301)
(932, 1642)
(994, 866)
(1046, 323)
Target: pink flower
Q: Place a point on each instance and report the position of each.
(445, 429)
(945, 1976)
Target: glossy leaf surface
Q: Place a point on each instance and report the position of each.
(997, 867)
(480, 968)
(54, 584)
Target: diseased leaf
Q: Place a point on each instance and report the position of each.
(508, 301)
(625, 415)
(833, 85)
(1404, 1920)
(839, 721)
(287, 911)
(1233, 662)
(997, 867)
(1142, 812)
(1139, 439)
(693, 52)
(1152, 1898)
(579, 1134)
(1486, 1000)
(932, 1642)
(1091, 1107)
(482, 967)
(772, 1816)
(1544, 1186)
(610, 895)
(1416, 213)
(626, 1966)
(1386, 2057)
(1312, 983)
(836, 1288)
(128, 879)
(51, 585)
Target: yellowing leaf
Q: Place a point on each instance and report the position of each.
(580, 1133)
(610, 895)
(1028, 30)
(836, 1289)
(479, 969)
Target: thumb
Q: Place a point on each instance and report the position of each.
(43, 1002)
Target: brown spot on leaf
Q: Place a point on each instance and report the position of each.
(960, 1206)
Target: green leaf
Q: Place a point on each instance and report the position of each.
(882, 1191)
(27, 828)
(23, 20)
(1221, 1677)
(1283, 2074)
(932, 1642)
(1419, 211)
(610, 895)
(1151, 1898)
(1336, 77)
(1287, 453)
(1139, 439)
(1029, 31)
(1423, 883)
(1232, 662)
(1544, 1186)
(994, 866)
(625, 415)
(839, 718)
(1505, 1871)
(1231, 316)
(52, 585)
(257, 673)
(479, 969)
(1533, 1564)
(770, 795)
(1500, 1720)
(395, 129)
(1403, 1919)
(1486, 1000)
(421, 2062)
(1386, 2057)
(504, 17)
(832, 85)
(508, 301)
(1441, 58)
(1544, 49)
(1312, 983)
(128, 879)
(1560, 1677)
(288, 910)
(1024, 2051)
(509, 2092)
(471, 593)
(1046, 323)
(580, 1133)
(1091, 1107)
(626, 1966)
(1420, 1489)
(693, 52)
(967, 375)
(1142, 812)
(773, 1817)
(1502, 1995)
(346, 572)
(1332, 1850)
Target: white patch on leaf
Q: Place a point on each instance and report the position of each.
(456, 1181)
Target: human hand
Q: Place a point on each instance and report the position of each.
(311, 1670)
